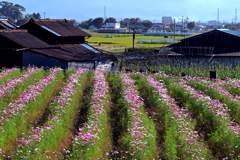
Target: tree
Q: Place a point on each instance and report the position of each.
(97, 22)
(145, 29)
(238, 25)
(110, 20)
(191, 25)
(21, 21)
(83, 25)
(148, 24)
(126, 20)
(123, 24)
(28, 16)
(134, 28)
(36, 16)
(230, 26)
(171, 27)
(134, 21)
(72, 22)
(10, 10)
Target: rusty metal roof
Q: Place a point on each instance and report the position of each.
(56, 27)
(74, 52)
(24, 39)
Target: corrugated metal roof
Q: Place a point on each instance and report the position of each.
(6, 24)
(25, 39)
(61, 27)
(51, 31)
(230, 32)
(90, 48)
(74, 52)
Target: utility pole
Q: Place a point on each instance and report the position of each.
(133, 39)
(174, 25)
(182, 25)
(44, 15)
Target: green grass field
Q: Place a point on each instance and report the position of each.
(122, 41)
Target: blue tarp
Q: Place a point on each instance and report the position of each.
(100, 57)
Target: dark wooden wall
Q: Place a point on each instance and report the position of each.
(39, 60)
(222, 42)
(10, 58)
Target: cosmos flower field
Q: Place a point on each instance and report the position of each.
(79, 114)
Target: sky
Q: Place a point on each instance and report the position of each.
(195, 10)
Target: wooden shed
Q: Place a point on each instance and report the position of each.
(55, 31)
(35, 46)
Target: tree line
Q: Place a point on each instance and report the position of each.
(15, 12)
(130, 23)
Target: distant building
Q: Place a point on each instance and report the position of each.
(123, 30)
(179, 28)
(157, 27)
(212, 23)
(108, 30)
(167, 20)
(113, 25)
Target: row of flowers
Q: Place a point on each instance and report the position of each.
(218, 89)
(93, 138)
(13, 118)
(6, 72)
(44, 139)
(141, 137)
(216, 113)
(181, 138)
(10, 85)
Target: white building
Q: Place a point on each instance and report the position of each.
(113, 25)
(123, 30)
(167, 20)
(213, 22)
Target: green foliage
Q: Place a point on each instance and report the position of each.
(110, 20)
(34, 16)
(86, 24)
(10, 10)
(191, 25)
(72, 22)
(9, 76)
(134, 21)
(233, 106)
(21, 21)
(123, 24)
(207, 123)
(148, 24)
(4, 101)
(35, 109)
(98, 22)
(230, 26)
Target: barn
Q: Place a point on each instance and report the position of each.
(217, 47)
(51, 43)
(222, 40)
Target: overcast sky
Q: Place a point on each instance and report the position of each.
(195, 10)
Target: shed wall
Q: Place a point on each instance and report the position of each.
(38, 60)
(10, 58)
